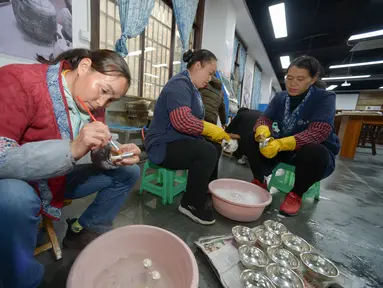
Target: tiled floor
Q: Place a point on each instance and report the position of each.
(346, 224)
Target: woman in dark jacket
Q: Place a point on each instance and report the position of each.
(301, 124)
(212, 98)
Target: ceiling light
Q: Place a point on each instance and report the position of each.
(138, 52)
(151, 75)
(345, 77)
(285, 61)
(332, 87)
(366, 35)
(356, 64)
(346, 84)
(159, 65)
(381, 87)
(278, 19)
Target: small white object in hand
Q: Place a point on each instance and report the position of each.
(147, 263)
(230, 146)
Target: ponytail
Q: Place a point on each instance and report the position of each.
(106, 62)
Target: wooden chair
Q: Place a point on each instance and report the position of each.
(53, 241)
(370, 134)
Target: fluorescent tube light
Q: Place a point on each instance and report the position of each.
(278, 19)
(366, 35)
(138, 52)
(345, 77)
(285, 61)
(381, 87)
(356, 64)
(332, 87)
(151, 75)
(159, 65)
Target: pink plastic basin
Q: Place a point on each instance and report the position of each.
(116, 258)
(239, 200)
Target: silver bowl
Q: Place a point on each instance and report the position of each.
(252, 257)
(266, 238)
(254, 279)
(275, 227)
(283, 277)
(283, 257)
(319, 267)
(295, 244)
(244, 235)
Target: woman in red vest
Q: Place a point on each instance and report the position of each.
(44, 131)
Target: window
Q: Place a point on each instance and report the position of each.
(157, 50)
(178, 50)
(156, 54)
(110, 31)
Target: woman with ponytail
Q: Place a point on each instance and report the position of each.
(300, 122)
(179, 138)
(44, 131)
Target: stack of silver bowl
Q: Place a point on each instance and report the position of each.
(281, 255)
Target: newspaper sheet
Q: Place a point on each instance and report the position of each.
(222, 254)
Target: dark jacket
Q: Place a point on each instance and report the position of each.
(212, 97)
(243, 123)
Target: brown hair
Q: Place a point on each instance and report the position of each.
(103, 61)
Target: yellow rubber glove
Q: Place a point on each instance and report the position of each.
(214, 133)
(276, 145)
(261, 133)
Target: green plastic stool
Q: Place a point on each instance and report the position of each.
(167, 184)
(285, 182)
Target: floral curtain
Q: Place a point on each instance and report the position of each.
(184, 11)
(134, 16)
(256, 95)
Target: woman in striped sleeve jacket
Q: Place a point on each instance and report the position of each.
(179, 139)
(301, 124)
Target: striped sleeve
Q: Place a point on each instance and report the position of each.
(317, 132)
(185, 122)
(263, 121)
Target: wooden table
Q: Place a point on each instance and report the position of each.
(349, 125)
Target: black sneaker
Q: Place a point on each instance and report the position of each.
(73, 240)
(201, 216)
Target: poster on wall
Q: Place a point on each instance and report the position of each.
(41, 27)
(246, 94)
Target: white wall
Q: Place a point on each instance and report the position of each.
(218, 32)
(249, 33)
(80, 27)
(346, 101)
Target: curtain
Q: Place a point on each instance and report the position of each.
(134, 16)
(184, 11)
(256, 95)
(242, 64)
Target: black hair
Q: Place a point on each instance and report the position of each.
(191, 57)
(313, 66)
(105, 61)
(242, 109)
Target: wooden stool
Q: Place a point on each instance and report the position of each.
(53, 241)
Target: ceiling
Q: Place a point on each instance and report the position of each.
(321, 28)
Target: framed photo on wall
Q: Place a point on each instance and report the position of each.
(35, 27)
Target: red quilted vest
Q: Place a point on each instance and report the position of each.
(27, 115)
